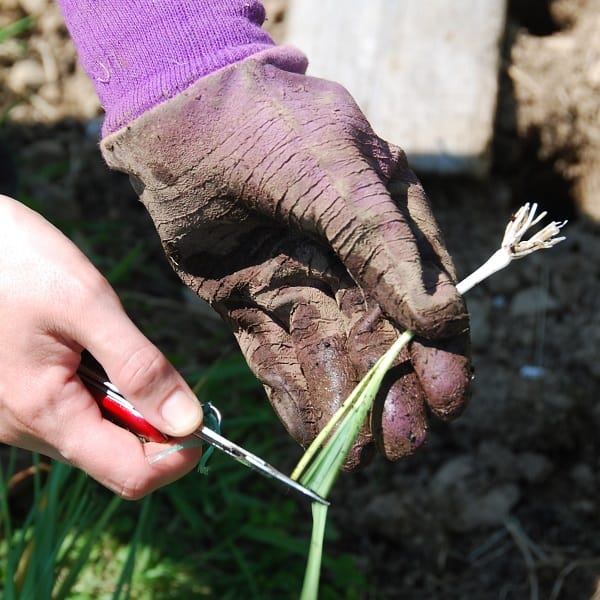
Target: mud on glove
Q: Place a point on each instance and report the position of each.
(277, 204)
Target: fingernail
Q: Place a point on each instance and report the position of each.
(182, 413)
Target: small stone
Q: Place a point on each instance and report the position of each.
(486, 510)
(534, 467)
(532, 300)
(11, 50)
(583, 476)
(26, 74)
(50, 92)
(51, 20)
(452, 474)
(35, 7)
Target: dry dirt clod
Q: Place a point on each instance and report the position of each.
(556, 80)
(26, 75)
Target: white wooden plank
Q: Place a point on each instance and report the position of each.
(424, 72)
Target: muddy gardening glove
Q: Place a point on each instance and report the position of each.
(277, 204)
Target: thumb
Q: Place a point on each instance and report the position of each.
(139, 369)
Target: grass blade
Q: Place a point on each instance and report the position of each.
(321, 464)
(310, 587)
(15, 29)
(123, 587)
(92, 536)
(346, 419)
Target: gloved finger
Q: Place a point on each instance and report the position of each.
(305, 369)
(271, 356)
(290, 329)
(398, 417)
(407, 191)
(376, 240)
(258, 300)
(320, 338)
(442, 367)
(444, 373)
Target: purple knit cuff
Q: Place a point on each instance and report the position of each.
(140, 53)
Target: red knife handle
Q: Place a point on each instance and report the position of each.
(121, 412)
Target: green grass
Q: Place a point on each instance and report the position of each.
(227, 535)
(230, 534)
(15, 29)
(322, 461)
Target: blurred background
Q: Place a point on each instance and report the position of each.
(501, 503)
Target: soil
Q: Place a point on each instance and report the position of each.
(503, 502)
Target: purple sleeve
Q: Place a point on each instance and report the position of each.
(140, 53)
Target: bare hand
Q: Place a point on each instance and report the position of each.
(53, 304)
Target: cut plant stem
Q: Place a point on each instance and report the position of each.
(358, 395)
(496, 262)
(513, 247)
(321, 462)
